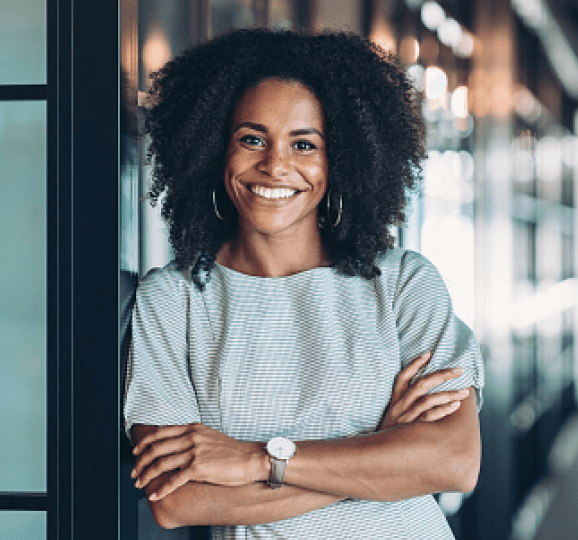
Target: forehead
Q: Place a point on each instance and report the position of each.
(279, 101)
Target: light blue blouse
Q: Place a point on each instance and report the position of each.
(309, 356)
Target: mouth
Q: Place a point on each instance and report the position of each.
(272, 193)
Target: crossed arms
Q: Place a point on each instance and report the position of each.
(426, 443)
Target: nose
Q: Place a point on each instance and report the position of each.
(274, 162)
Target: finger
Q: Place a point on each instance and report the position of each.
(160, 466)
(430, 402)
(406, 375)
(440, 412)
(422, 386)
(172, 483)
(161, 432)
(434, 379)
(159, 449)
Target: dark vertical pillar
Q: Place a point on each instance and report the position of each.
(83, 165)
(95, 269)
(59, 261)
(367, 16)
(301, 13)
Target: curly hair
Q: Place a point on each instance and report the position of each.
(373, 129)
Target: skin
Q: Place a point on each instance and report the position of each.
(277, 141)
(426, 442)
(177, 500)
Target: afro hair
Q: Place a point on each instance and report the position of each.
(373, 128)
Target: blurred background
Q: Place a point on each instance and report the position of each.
(497, 215)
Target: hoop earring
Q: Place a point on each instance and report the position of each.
(215, 207)
(339, 211)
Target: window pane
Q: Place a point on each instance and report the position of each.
(23, 42)
(23, 525)
(23, 296)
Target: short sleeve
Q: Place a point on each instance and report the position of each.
(158, 388)
(426, 322)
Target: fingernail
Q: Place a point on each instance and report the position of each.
(152, 497)
(137, 484)
(456, 404)
(464, 392)
(133, 473)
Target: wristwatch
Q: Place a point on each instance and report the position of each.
(280, 450)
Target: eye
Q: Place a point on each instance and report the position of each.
(304, 145)
(252, 140)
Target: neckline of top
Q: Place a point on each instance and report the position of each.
(262, 279)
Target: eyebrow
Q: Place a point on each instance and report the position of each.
(294, 133)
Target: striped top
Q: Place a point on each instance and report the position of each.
(308, 356)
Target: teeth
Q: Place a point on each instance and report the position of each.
(275, 193)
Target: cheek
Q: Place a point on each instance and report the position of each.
(238, 162)
(317, 174)
(234, 167)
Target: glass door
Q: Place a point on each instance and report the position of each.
(23, 270)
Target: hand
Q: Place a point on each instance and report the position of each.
(410, 401)
(198, 453)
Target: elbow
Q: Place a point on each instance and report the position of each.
(471, 459)
(472, 473)
(163, 515)
(167, 512)
(464, 470)
(468, 478)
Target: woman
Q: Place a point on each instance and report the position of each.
(282, 367)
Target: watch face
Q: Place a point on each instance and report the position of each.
(281, 448)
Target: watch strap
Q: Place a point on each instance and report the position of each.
(277, 472)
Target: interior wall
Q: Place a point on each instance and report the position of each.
(337, 14)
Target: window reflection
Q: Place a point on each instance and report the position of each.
(25, 525)
(23, 42)
(23, 297)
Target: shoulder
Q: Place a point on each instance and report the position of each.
(400, 262)
(164, 282)
(407, 270)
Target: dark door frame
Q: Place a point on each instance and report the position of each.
(83, 152)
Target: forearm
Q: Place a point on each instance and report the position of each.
(252, 504)
(402, 462)
(212, 478)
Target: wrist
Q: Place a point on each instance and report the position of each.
(260, 462)
(280, 450)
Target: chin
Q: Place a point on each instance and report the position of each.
(268, 225)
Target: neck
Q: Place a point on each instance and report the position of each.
(273, 255)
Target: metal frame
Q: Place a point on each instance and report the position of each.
(23, 92)
(83, 365)
(10, 500)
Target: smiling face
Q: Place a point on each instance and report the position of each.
(276, 166)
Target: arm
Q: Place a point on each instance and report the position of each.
(320, 468)
(182, 501)
(196, 503)
(159, 393)
(397, 463)
(426, 443)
